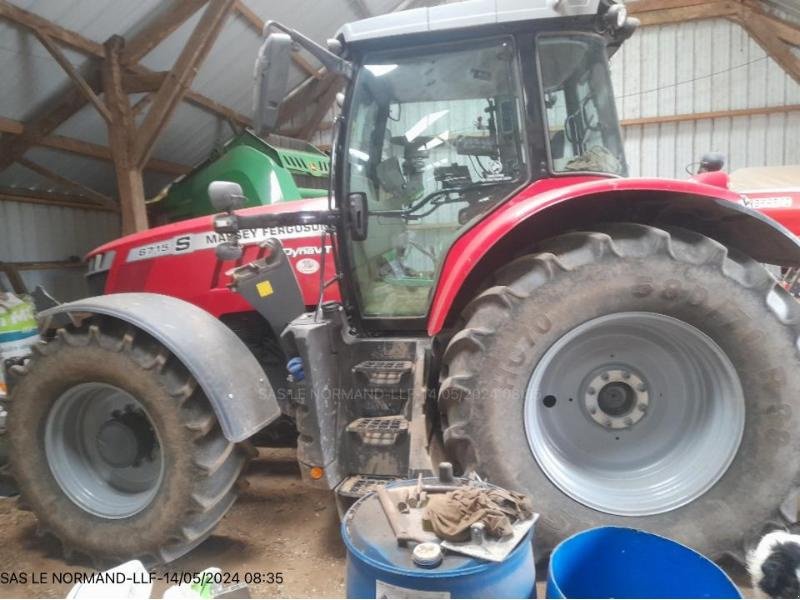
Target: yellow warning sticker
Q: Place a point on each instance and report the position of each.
(264, 289)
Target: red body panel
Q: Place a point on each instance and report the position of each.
(475, 243)
(161, 260)
(179, 260)
(782, 205)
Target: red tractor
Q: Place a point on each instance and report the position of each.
(496, 292)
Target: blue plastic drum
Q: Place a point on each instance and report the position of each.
(378, 568)
(615, 562)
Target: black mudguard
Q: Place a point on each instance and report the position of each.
(226, 370)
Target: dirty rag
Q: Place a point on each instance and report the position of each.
(451, 515)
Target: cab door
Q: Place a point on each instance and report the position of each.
(433, 141)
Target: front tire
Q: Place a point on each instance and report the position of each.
(705, 453)
(116, 449)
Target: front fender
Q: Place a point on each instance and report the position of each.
(223, 366)
(552, 206)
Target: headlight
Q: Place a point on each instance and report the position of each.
(101, 262)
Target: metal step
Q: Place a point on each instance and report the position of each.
(379, 431)
(384, 372)
(356, 486)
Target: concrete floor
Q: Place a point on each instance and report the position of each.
(278, 524)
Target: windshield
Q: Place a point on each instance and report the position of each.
(433, 141)
(583, 129)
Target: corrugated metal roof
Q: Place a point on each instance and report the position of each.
(787, 9)
(32, 79)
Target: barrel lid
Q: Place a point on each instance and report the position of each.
(369, 536)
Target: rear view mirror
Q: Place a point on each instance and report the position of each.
(272, 80)
(226, 196)
(357, 215)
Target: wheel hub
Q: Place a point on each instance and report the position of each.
(126, 439)
(103, 450)
(618, 410)
(617, 398)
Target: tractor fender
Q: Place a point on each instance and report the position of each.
(226, 370)
(549, 207)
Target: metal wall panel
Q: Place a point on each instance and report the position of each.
(700, 67)
(43, 233)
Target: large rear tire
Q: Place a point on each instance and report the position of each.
(116, 449)
(632, 376)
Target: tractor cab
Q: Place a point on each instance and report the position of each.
(449, 112)
(438, 133)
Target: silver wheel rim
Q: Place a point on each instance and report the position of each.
(103, 450)
(645, 449)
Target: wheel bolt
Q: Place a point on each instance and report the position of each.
(641, 387)
(605, 376)
(592, 391)
(593, 410)
(607, 423)
(628, 421)
(626, 375)
(642, 406)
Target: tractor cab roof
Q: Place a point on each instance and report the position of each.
(460, 15)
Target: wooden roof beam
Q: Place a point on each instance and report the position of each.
(644, 6)
(180, 77)
(88, 149)
(11, 126)
(680, 11)
(151, 36)
(73, 73)
(139, 79)
(310, 90)
(43, 125)
(122, 141)
(324, 103)
(217, 108)
(142, 81)
(34, 22)
(774, 35)
(8, 194)
(66, 182)
(89, 47)
(761, 30)
(785, 30)
(305, 95)
(703, 116)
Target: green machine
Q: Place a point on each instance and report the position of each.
(280, 170)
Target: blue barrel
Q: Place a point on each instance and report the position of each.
(616, 562)
(378, 568)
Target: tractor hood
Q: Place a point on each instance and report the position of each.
(172, 239)
(179, 260)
